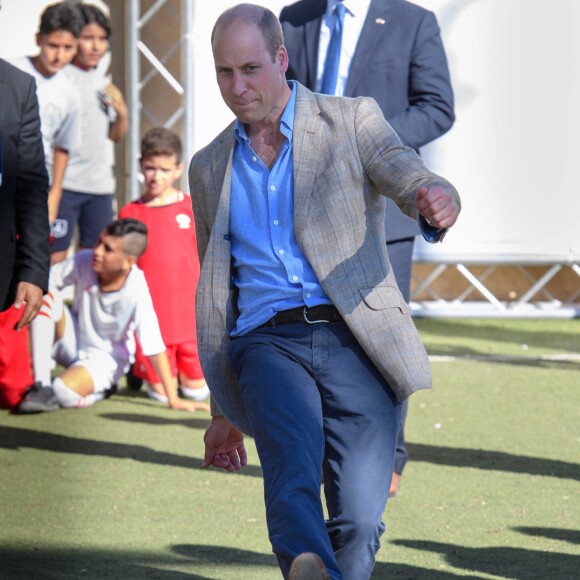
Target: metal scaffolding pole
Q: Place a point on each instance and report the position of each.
(160, 74)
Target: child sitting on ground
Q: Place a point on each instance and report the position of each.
(95, 340)
(170, 263)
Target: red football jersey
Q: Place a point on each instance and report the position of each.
(170, 264)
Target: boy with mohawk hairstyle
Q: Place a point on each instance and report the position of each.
(95, 339)
(170, 264)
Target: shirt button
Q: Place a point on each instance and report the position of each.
(272, 188)
(294, 278)
(254, 158)
(281, 252)
(276, 222)
(308, 295)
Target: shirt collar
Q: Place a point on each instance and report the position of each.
(353, 7)
(286, 121)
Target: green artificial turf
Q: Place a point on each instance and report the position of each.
(491, 490)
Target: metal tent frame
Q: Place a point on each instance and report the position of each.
(141, 15)
(536, 299)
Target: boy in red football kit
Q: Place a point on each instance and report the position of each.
(170, 263)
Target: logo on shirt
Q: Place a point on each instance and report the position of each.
(183, 221)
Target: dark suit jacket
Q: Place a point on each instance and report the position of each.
(399, 61)
(24, 230)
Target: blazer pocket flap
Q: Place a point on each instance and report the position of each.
(383, 297)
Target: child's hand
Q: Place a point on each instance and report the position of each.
(114, 98)
(185, 405)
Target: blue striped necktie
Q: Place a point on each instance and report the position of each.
(330, 73)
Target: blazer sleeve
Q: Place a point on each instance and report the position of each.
(396, 171)
(31, 196)
(430, 112)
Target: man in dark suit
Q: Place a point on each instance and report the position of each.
(391, 51)
(24, 231)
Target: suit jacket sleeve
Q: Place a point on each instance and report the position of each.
(430, 111)
(32, 228)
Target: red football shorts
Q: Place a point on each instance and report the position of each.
(182, 357)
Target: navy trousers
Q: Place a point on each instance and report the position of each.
(319, 410)
(401, 258)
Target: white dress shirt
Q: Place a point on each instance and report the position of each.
(354, 18)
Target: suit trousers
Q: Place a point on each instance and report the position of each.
(401, 258)
(319, 411)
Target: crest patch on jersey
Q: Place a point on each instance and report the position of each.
(183, 221)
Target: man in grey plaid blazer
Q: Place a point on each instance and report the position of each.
(305, 340)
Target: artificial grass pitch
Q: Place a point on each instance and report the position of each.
(491, 490)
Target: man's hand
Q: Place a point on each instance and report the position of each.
(437, 206)
(31, 295)
(224, 446)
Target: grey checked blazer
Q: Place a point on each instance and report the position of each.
(346, 159)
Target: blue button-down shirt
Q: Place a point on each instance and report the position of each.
(270, 270)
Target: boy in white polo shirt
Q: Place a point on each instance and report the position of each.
(58, 99)
(89, 183)
(95, 340)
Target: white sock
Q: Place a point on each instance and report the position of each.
(154, 394)
(42, 337)
(90, 400)
(66, 397)
(199, 394)
(71, 399)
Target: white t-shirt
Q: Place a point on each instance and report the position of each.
(59, 105)
(90, 166)
(108, 321)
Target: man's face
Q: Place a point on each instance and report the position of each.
(93, 43)
(160, 173)
(251, 85)
(57, 49)
(109, 257)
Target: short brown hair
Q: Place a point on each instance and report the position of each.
(64, 16)
(263, 18)
(161, 141)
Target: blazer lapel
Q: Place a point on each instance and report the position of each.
(2, 90)
(375, 25)
(216, 268)
(307, 135)
(221, 168)
(2, 122)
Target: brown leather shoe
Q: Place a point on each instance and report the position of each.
(395, 484)
(308, 566)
